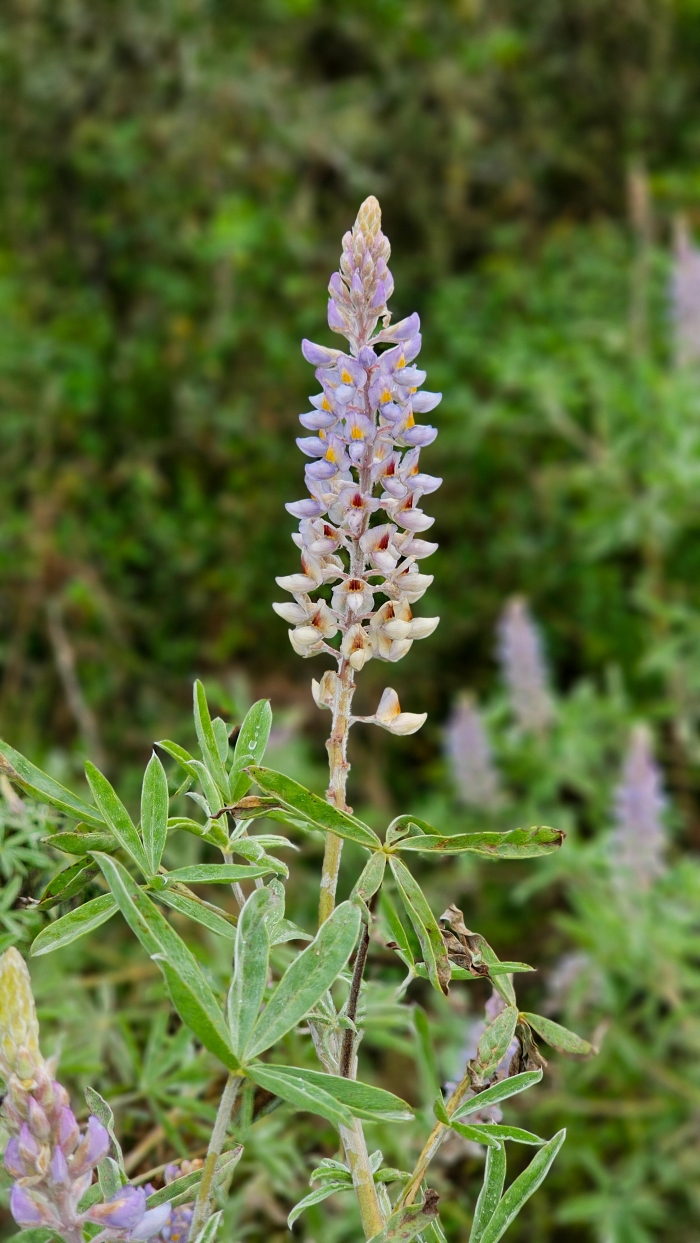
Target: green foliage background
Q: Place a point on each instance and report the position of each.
(175, 177)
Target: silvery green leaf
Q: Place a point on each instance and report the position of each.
(207, 740)
(251, 957)
(209, 1232)
(363, 1100)
(220, 729)
(513, 844)
(496, 1041)
(217, 873)
(195, 908)
(180, 1190)
(187, 985)
(110, 1178)
(75, 924)
(316, 1197)
(497, 1131)
(116, 816)
(397, 929)
(314, 810)
(521, 1190)
(407, 1222)
(308, 978)
(286, 1082)
(81, 840)
(476, 1134)
(371, 877)
(491, 1191)
(103, 1112)
(178, 753)
(499, 1092)
(559, 1037)
(211, 832)
(250, 745)
(154, 812)
(424, 924)
(215, 798)
(43, 788)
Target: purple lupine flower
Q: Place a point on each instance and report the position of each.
(359, 525)
(639, 838)
(523, 668)
(469, 754)
(685, 296)
(51, 1163)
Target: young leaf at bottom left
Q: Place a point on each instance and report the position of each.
(191, 995)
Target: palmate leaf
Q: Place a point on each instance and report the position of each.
(424, 924)
(307, 979)
(514, 844)
(117, 817)
(521, 1190)
(187, 985)
(491, 1192)
(43, 788)
(207, 740)
(154, 812)
(314, 810)
(559, 1037)
(73, 925)
(499, 1092)
(250, 746)
(251, 959)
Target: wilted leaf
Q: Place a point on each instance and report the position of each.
(496, 1041)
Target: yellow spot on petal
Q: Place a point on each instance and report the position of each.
(414, 390)
(345, 376)
(325, 404)
(321, 434)
(410, 421)
(401, 362)
(385, 397)
(357, 433)
(330, 454)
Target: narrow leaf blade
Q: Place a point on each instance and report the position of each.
(496, 1040)
(250, 745)
(251, 959)
(514, 844)
(73, 925)
(499, 1092)
(521, 1190)
(116, 816)
(425, 926)
(43, 788)
(217, 873)
(286, 1082)
(316, 811)
(363, 1100)
(154, 812)
(491, 1192)
(559, 1037)
(207, 739)
(201, 912)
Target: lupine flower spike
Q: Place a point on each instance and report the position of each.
(639, 838)
(523, 667)
(469, 755)
(685, 295)
(50, 1160)
(361, 524)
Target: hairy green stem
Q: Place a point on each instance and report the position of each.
(202, 1208)
(336, 747)
(437, 1135)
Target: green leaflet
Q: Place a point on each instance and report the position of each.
(43, 788)
(515, 844)
(491, 1192)
(214, 798)
(494, 1130)
(217, 873)
(522, 1189)
(154, 812)
(286, 1082)
(207, 740)
(202, 912)
(398, 931)
(425, 1054)
(371, 877)
(495, 1041)
(250, 746)
(210, 832)
(557, 1036)
(117, 817)
(314, 810)
(80, 841)
(499, 1092)
(210, 1231)
(66, 884)
(251, 959)
(363, 1100)
(407, 826)
(180, 1191)
(36, 1234)
(73, 925)
(103, 1112)
(476, 1134)
(316, 1197)
(188, 987)
(307, 979)
(424, 924)
(178, 753)
(220, 729)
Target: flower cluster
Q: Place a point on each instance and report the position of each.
(177, 1229)
(639, 838)
(360, 527)
(685, 296)
(469, 754)
(523, 667)
(51, 1161)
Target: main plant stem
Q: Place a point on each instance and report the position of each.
(353, 1137)
(202, 1208)
(433, 1142)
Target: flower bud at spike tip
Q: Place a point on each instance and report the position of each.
(19, 1028)
(359, 526)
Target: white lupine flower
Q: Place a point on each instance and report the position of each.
(362, 451)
